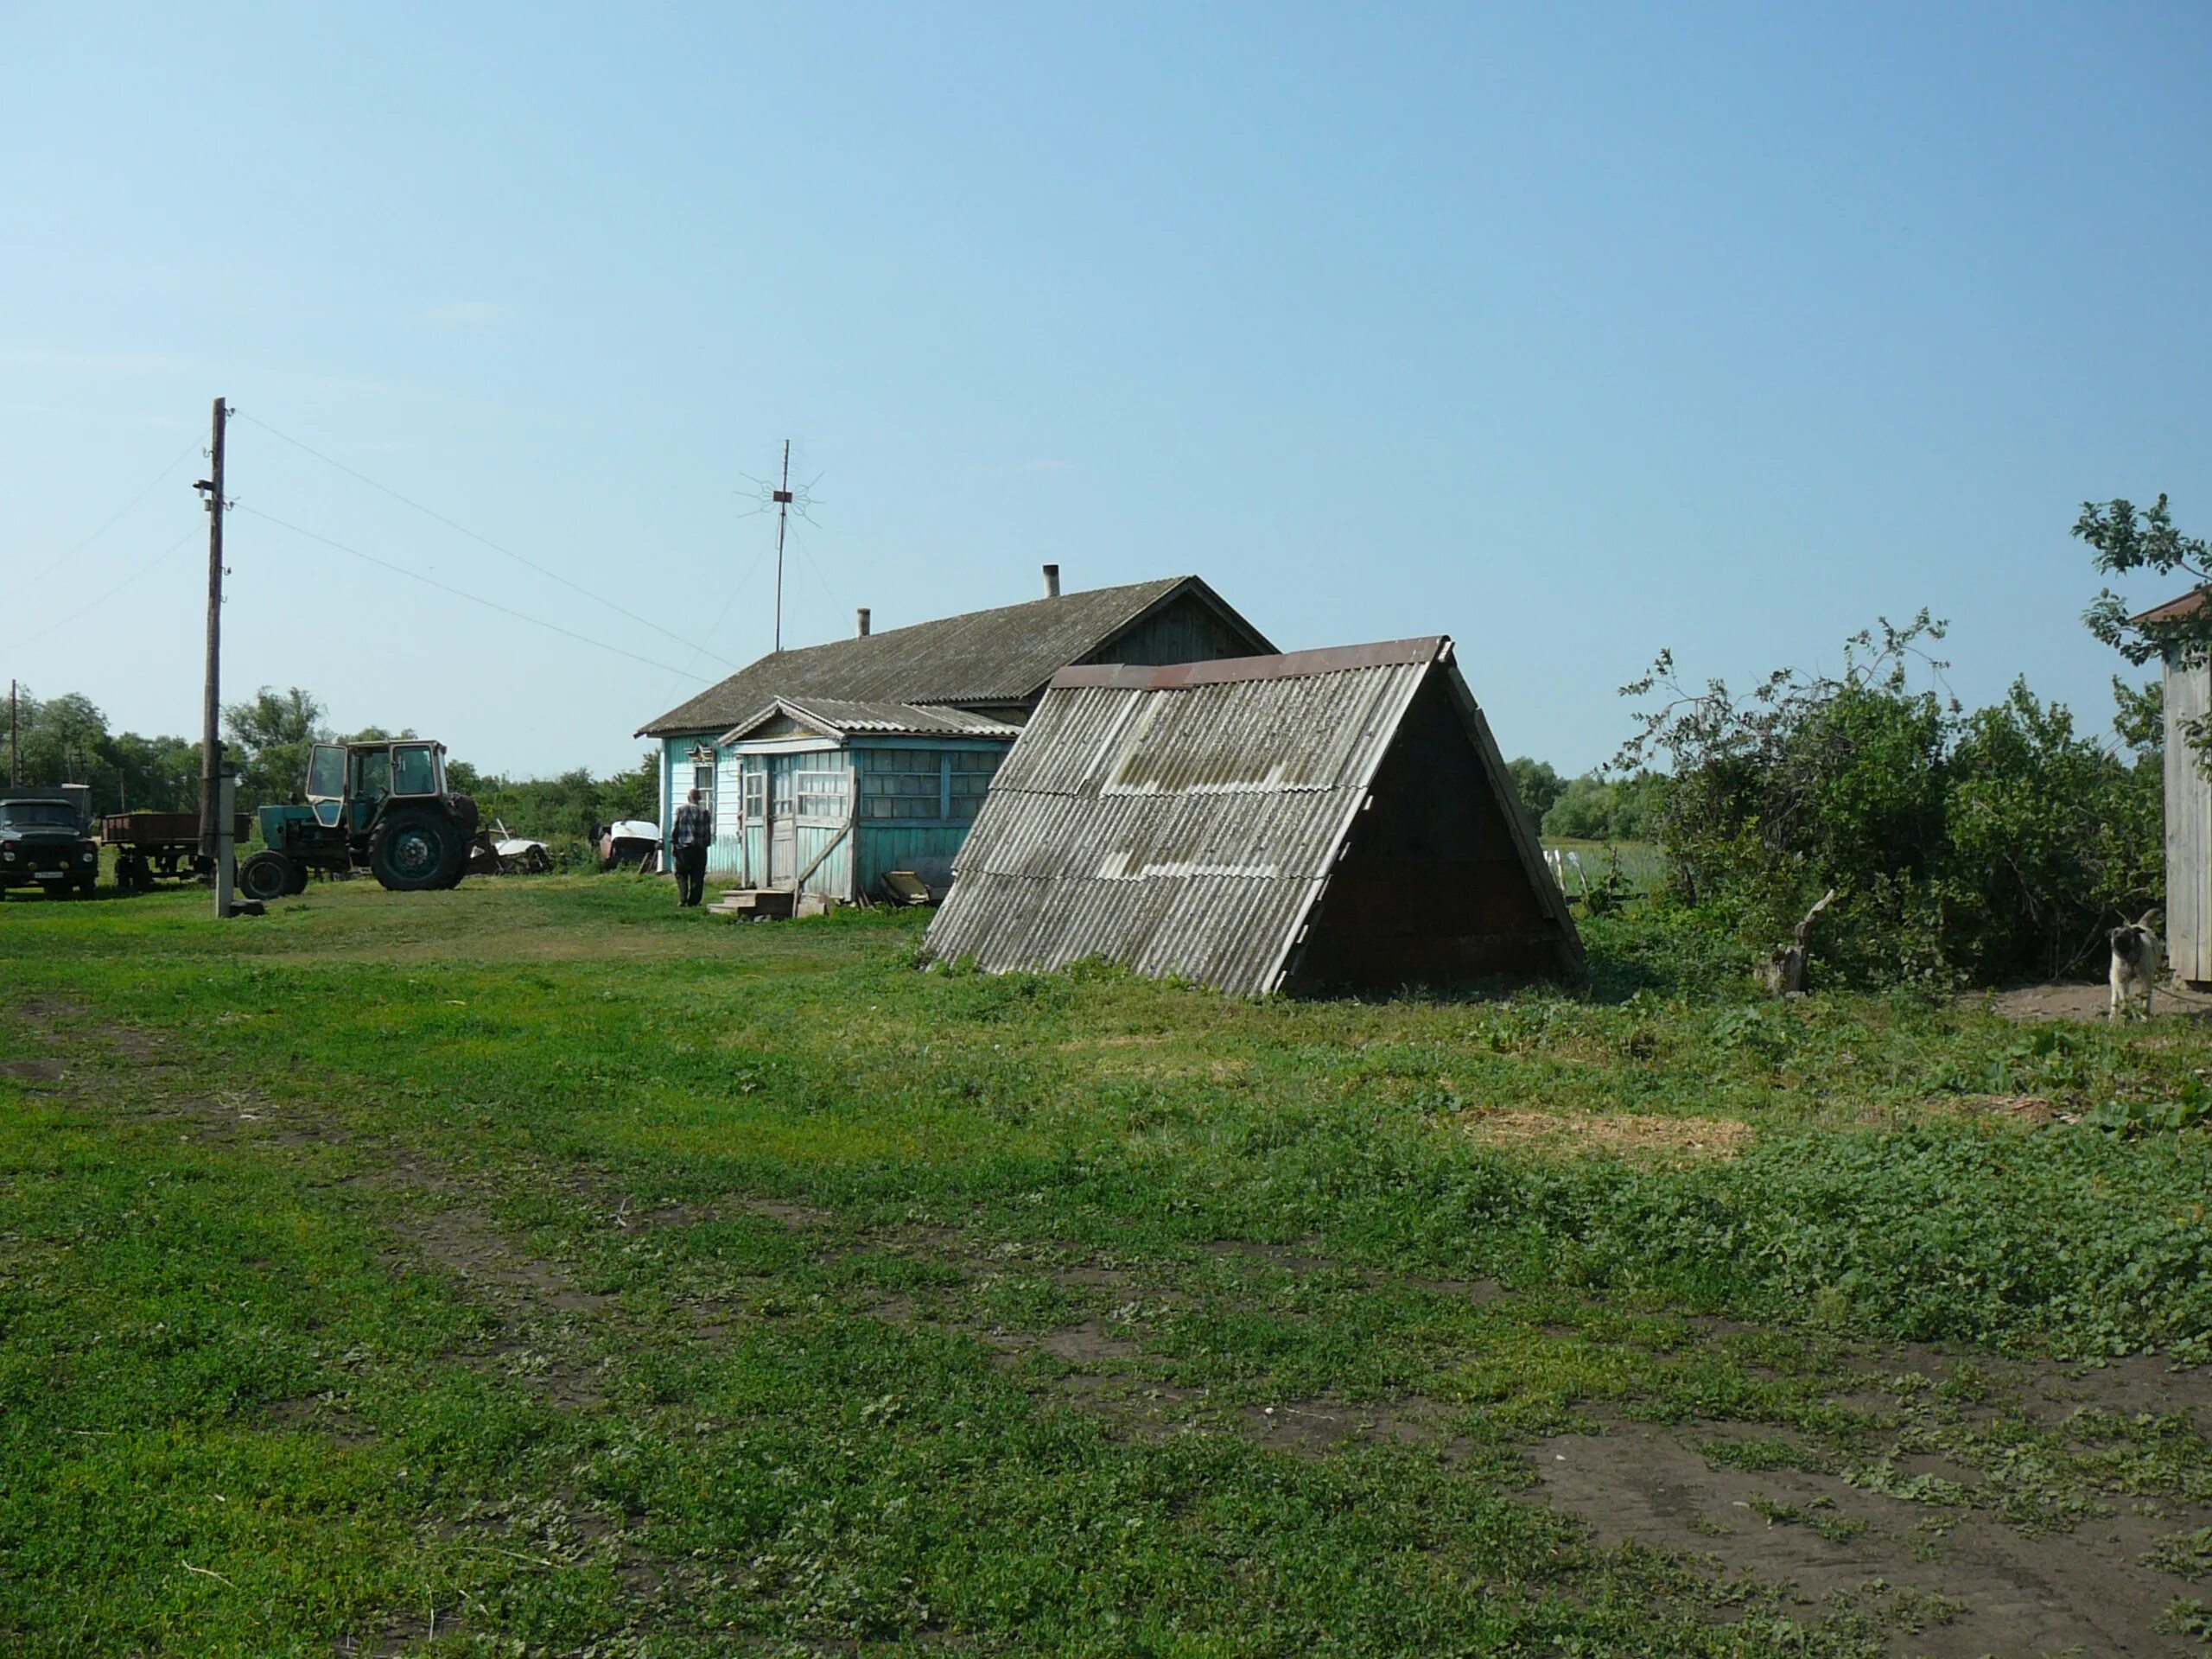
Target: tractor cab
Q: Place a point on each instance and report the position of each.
(382, 804)
(349, 783)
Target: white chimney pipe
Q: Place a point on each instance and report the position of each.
(1051, 581)
(860, 630)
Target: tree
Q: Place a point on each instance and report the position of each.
(1536, 783)
(2127, 539)
(273, 733)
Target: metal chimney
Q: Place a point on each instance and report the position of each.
(1051, 581)
(860, 629)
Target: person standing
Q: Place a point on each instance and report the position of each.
(694, 832)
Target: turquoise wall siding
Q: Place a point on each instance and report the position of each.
(917, 800)
(892, 804)
(678, 778)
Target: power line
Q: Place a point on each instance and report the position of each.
(117, 518)
(145, 570)
(488, 604)
(531, 564)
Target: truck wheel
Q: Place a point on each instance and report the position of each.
(265, 876)
(416, 851)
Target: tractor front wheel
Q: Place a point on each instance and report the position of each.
(417, 852)
(265, 876)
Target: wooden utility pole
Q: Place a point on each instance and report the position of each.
(210, 747)
(783, 514)
(15, 741)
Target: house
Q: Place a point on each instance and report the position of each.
(2188, 806)
(1321, 818)
(830, 766)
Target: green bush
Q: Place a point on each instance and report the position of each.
(1961, 847)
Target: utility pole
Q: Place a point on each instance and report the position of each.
(783, 498)
(210, 747)
(14, 742)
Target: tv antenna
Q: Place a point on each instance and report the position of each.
(783, 498)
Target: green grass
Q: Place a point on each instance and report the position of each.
(578, 1275)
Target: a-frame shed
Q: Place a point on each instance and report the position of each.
(1322, 818)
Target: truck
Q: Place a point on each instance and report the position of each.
(46, 842)
(381, 805)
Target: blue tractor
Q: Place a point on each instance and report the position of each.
(382, 806)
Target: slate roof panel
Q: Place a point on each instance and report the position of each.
(1000, 656)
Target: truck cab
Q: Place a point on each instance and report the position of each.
(44, 842)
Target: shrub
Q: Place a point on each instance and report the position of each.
(1962, 847)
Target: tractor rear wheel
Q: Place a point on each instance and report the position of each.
(417, 851)
(265, 876)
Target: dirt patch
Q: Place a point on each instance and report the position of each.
(323, 1416)
(790, 1214)
(2084, 1001)
(2086, 1591)
(33, 1070)
(466, 1246)
(2022, 1111)
(1086, 1344)
(1311, 1428)
(1288, 1258)
(1588, 1133)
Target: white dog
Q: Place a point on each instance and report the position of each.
(2137, 957)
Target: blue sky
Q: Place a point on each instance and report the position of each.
(1571, 332)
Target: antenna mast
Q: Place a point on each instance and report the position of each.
(783, 499)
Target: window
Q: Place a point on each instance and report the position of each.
(414, 769)
(44, 814)
(371, 774)
(754, 793)
(969, 782)
(326, 773)
(903, 783)
(824, 794)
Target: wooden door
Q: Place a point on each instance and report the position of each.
(782, 820)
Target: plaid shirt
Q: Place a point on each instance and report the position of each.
(695, 827)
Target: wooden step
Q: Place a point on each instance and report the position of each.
(755, 902)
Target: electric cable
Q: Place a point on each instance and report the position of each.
(118, 516)
(474, 599)
(144, 571)
(531, 564)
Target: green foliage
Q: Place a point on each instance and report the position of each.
(65, 739)
(573, 804)
(1536, 783)
(1972, 847)
(2127, 539)
(1591, 808)
(270, 734)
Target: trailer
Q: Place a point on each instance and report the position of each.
(161, 846)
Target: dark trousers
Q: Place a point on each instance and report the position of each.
(691, 874)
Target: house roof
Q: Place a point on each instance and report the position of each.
(840, 718)
(1188, 819)
(2187, 604)
(1001, 656)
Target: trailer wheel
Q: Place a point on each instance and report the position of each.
(265, 876)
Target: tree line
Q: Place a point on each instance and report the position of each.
(66, 740)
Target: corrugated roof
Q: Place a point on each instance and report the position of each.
(1000, 656)
(842, 717)
(1184, 820)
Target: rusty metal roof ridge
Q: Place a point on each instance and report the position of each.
(1288, 665)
